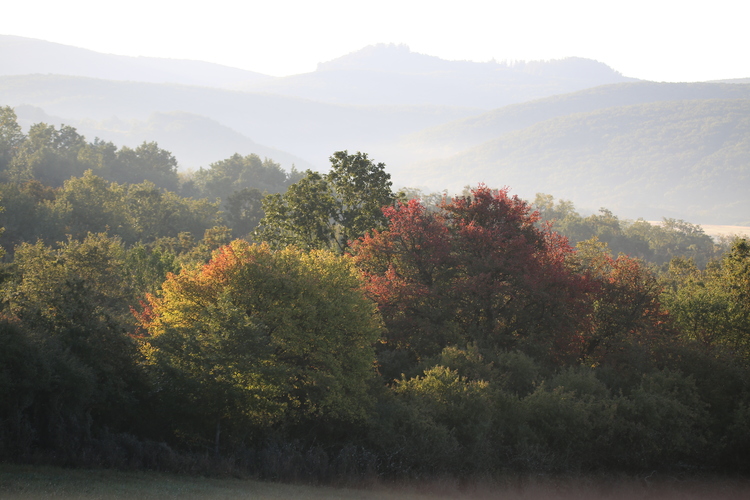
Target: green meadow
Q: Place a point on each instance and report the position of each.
(36, 482)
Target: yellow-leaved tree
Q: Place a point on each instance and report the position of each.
(257, 338)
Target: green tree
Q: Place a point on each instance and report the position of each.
(147, 162)
(101, 157)
(91, 204)
(238, 172)
(76, 298)
(244, 209)
(303, 216)
(11, 136)
(712, 307)
(134, 212)
(48, 155)
(328, 211)
(27, 214)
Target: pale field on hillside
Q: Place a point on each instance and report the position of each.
(716, 231)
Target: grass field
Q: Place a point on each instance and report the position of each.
(35, 482)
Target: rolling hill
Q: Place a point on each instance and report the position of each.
(25, 56)
(307, 129)
(688, 159)
(451, 138)
(195, 140)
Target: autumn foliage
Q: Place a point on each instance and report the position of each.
(477, 271)
(255, 336)
(453, 339)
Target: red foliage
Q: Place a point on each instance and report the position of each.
(223, 261)
(479, 271)
(144, 317)
(627, 313)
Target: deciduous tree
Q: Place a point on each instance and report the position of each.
(255, 336)
(328, 211)
(480, 271)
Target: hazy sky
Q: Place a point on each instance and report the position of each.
(661, 40)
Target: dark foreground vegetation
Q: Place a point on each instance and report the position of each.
(326, 329)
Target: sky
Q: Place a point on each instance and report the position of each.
(660, 40)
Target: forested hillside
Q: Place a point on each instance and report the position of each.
(686, 159)
(323, 327)
(450, 138)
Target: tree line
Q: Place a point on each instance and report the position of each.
(351, 330)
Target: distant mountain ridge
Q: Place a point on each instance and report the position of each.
(393, 74)
(24, 56)
(392, 58)
(383, 74)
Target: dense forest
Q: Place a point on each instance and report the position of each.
(314, 326)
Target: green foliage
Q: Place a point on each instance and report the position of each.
(148, 266)
(517, 373)
(442, 422)
(11, 136)
(266, 334)
(712, 307)
(27, 215)
(135, 212)
(75, 300)
(46, 393)
(328, 211)
(244, 210)
(661, 421)
(48, 155)
(225, 177)
(147, 162)
(559, 426)
(655, 243)
(303, 216)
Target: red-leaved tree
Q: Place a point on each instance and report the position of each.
(479, 270)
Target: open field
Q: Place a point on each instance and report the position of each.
(716, 231)
(36, 482)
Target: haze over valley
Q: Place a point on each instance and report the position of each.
(574, 127)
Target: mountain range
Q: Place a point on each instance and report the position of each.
(574, 128)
